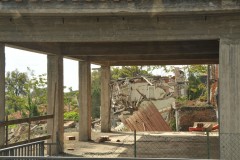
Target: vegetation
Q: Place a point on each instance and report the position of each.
(25, 92)
(72, 115)
(130, 71)
(96, 94)
(197, 82)
(71, 100)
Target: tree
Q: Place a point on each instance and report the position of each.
(96, 94)
(15, 91)
(130, 71)
(70, 99)
(197, 87)
(25, 92)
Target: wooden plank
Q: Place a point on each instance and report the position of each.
(146, 123)
(155, 117)
(135, 123)
(165, 125)
(158, 117)
(152, 119)
(140, 122)
(147, 118)
(25, 120)
(130, 124)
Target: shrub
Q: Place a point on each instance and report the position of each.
(72, 115)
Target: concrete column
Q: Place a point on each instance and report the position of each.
(55, 102)
(85, 107)
(2, 93)
(105, 99)
(229, 101)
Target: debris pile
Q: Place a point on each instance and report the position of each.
(128, 95)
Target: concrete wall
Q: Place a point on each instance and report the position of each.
(188, 115)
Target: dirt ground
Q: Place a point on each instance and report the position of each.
(148, 145)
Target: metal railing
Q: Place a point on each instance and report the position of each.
(199, 145)
(29, 149)
(147, 145)
(29, 120)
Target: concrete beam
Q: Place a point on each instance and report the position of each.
(196, 47)
(2, 93)
(118, 29)
(44, 48)
(85, 107)
(129, 51)
(229, 93)
(160, 62)
(153, 57)
(55, 102)
(105, 99)
(121, 7)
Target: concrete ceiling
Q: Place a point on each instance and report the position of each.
(133, 53)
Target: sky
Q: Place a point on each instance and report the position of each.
(21, 59)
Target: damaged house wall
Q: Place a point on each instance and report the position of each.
(188, 115)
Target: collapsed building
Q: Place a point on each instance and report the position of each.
(133, 98)
(118, 33)
(130, 94)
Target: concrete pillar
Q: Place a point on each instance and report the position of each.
(2, 93)
(229, 101)
(105, 99)
(85, 101)
(55, 102)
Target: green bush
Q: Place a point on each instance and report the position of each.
(72, 115)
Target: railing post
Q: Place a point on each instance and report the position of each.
(29, 129)
(135, 143)
(42, 149)
(208, 146)
(6, 141)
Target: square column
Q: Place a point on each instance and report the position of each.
(85, 107)
(2, 93)
(55, 126)
(105, 99)
(229, 101)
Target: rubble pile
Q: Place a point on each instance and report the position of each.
(127, 94)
